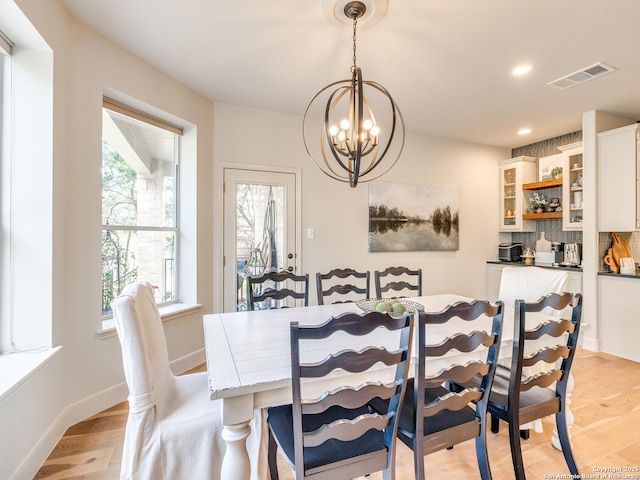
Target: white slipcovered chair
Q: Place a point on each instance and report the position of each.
(529, 284)
(173, 430)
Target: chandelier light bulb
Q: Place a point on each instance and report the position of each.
(344, 124)
(367, 124)
(342, 136)
(375, 130)
(333, 130)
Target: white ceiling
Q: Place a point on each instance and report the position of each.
(447, 63)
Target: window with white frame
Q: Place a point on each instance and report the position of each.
(139, 202)
(5, 114)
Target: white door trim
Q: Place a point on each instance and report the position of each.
(218, 222)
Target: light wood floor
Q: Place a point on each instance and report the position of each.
(606, 433)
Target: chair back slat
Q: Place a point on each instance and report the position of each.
(452, 402)
(352, 361)
(542, 380)
(553, 328)
(457, 374)
(346, 430)
(461, 342)
(465, 311)
(547, 355)
(353, 324)
(398, 286)
(349, 397)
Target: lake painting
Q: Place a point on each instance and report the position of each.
(406, 217)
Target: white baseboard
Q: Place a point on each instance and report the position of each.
(589, 343)
(70, 416)
(86, 408)
(187, 362)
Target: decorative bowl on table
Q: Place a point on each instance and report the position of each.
(386, 305)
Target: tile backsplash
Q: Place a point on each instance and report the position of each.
(553, 232)
(547, 147)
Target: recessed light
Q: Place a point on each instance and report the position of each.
(521, 70)
(524, 131)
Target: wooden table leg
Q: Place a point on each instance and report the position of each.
(237, 412)
(555, 440)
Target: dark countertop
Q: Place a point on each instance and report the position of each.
(521, 264)
(624, 275)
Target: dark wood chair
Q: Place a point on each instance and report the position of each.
(433, 417)
(274, 287)
(337, 434)
(407, 280)
(346, 290)
(518, 399)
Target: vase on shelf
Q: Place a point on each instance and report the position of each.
(539, 210)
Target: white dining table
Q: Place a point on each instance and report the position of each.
(249, 363)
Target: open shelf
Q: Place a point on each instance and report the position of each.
(557, 182)
(541, 216)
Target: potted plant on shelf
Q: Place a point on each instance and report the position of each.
(537, 202)
(556, 172)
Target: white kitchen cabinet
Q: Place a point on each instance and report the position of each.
(514, 172)
(494, 275)
(618, 307)
(617, 176)
(572, 180)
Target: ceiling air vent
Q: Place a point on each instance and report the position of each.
(583, 75)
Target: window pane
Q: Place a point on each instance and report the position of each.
(128, 256)
(259, 232)
(138, 173)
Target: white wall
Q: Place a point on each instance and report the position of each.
(86, 375)
(339, 214)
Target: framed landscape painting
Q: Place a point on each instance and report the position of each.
(408, 217)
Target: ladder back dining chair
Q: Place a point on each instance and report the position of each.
(518, 398)
(433, 416)
(530, 284)
(272, 289)
(336, 434)
(334, 284)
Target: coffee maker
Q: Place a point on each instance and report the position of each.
(572, 254)
(558, 253)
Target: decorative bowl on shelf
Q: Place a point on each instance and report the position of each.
(386, 305)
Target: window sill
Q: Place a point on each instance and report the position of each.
(17, 367)
(167, 313)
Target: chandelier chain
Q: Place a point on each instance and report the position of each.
(355, 24)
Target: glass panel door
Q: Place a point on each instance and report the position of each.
(259, 229)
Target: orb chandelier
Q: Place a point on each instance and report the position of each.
(353, 144)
